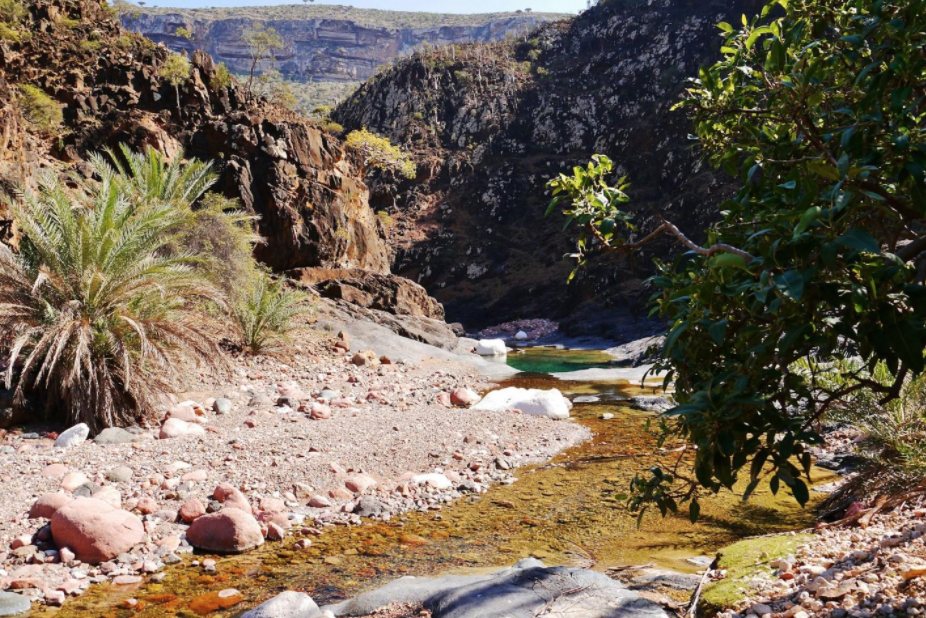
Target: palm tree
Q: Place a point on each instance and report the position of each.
(97, 310)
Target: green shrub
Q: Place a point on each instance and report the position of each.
(96, 310)
(385, 218)
(67, 22)
(380, 153)
(40, 109)
(91, 46)
(12, 11)
(221, 78)
(331, 127)
(266, 313)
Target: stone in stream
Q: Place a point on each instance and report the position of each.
(74, 436)
(12, 604)
(532, 401)
(653, 403)
(523, 591)
(228, 531)
(290, 604)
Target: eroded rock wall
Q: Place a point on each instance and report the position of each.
(492, 124)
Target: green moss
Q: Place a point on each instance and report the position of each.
(745, 562)
(91, 46)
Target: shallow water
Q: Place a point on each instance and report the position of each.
(565, 512)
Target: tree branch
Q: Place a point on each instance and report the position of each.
(671, 229)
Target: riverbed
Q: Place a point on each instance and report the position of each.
(569, 511)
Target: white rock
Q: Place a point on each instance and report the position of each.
(521, 336)
(491, 347)
(290, 604)
(73, 436)
(438, 481)
(174, 428)
(536, 402)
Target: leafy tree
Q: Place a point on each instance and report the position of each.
(176, 70)
(817, 107)
(39, 108)
(261, 42)
(185, 33)
(96, 311)
(378, 152)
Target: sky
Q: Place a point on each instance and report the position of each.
(431, 6)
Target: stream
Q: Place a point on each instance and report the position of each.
(568, 511)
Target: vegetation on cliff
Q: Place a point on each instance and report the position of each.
(809, 292)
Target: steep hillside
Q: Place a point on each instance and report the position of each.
(323, 43)
(312, 204)
(490, 124)
(73, 82)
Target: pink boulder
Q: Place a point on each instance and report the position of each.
(319, 411)
(94, 530)
(464, 397)
(184, 413)
(359, 483)
(192, 510)
(176, 428)
(46, 505)
(228, 531)
(231, 498)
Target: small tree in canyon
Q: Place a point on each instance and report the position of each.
(261, 42)
(378, 152)
(810, 290)
(176, 70)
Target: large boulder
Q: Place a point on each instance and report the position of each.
(533, 401)
(229, 531)
(95, 530)
(47, 505)
(12, 604)
(176, 428)
(491, 347)
(74, 436)
(290, 604)
(383, 292)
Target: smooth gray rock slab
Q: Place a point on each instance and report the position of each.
(12, 604)
(120, 474)
(74, 436)
(290, 604)
(115, 435)
(527, 590)
(222, 405)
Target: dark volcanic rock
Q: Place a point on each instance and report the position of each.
(491, 124)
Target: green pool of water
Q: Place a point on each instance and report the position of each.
(549, 360)
(564, 512)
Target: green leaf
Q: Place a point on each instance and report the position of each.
(858, 240)
(718, 331)
(791, 284)
(725, 26)
(728, 259)
(810, 215)
(694, 510)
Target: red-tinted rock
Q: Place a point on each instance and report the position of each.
(228, 531)
(231, 498)
(192, 510)
(94, 530)
(46, 505)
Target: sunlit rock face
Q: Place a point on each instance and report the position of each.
(324, 43)
(492, 125)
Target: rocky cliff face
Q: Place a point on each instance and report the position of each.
(319, 45)
(312, 203)
(301, 181)
(492, 123)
